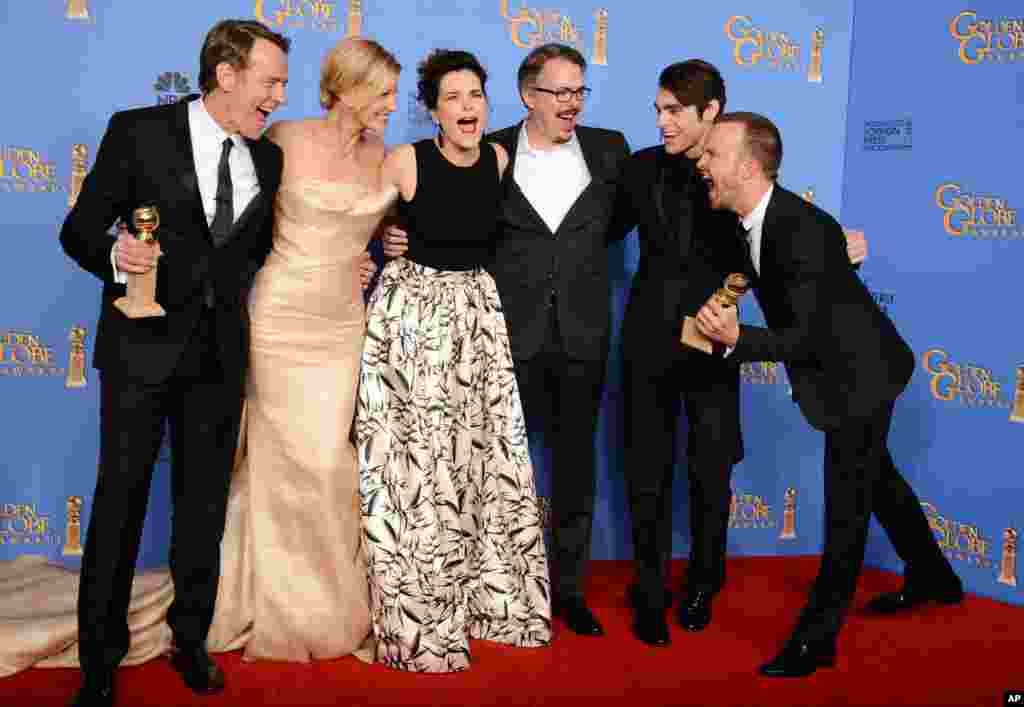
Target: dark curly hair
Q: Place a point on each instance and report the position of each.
(440, 62)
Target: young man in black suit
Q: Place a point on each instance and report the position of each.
(551, 268)
(847, 364)
(683, 260)
(204, 165)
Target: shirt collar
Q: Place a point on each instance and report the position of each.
(524, 148)
(207, 127)
(756, 217)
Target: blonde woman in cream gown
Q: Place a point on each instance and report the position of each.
(293, 576)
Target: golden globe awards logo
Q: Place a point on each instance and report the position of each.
(316, 15)
(23, 354)
(750, 511)
(981, 216)
(23, 524)
(23, 169)
(959, 541)
(755, 47)
(1017, 411)
(987, 40)
(967, 385)
(531, 27)
(171, 87)
(761, 372)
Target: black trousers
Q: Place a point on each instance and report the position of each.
(861, 479)
(203, 413)
(562, 399)
(708, 392)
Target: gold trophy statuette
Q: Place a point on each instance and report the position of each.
(1008, 564)
(140, 301)
(735, 286)
(76, 359)
(817, 44)
(1017, 411)
(600, 56)
(77, 10)
(789, 515)
(73, 536)
(355, 18)
(79, 157)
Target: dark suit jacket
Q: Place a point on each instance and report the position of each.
(145, 157)
(529, 259)
(685, 255)
(844, 356)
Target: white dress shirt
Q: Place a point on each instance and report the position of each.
(754, 223)
(207, 142)
(551, 180)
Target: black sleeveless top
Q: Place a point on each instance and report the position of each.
(453, 217)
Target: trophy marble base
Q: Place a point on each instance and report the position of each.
(140, 302)
(693, 338)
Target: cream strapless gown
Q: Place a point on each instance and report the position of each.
(293, 578)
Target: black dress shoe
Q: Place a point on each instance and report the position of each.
(636, 601)
(909, 598)
(96, 691)
(695, 612)
(198, 670)
(649, 626)
(578, 618)
(801, 658)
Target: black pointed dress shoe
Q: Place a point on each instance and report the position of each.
(695, 612)
(578, 617)
(649, 626)
(96, 691)
(909, 598)
(200, 673)
(801, 658)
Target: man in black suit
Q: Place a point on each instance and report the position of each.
(204, 165)
(847, 364)
(683, 260)
(551, 269)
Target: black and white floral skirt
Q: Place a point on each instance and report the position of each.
(453, 535)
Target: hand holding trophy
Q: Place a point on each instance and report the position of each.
(734, 287)
(140, 301)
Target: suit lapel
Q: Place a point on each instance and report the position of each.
(267, 181)
(517, 207)
(183, 165)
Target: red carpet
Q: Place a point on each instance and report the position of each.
(956, 656)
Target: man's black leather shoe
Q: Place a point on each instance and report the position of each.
(649, 626)
(801, 658)
(578, 618)
(907, 599)
(695, 612)
(96, 691)
(198, 670)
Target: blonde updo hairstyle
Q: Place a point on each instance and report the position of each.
(357, 69)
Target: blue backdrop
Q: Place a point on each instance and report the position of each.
(937, 204)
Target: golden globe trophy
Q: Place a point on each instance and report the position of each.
(140, 301)
(808, 195)
(1008, 564)
(77, 10)
(79, 161)
(76, 358)
(73, 535)
(355, 18)
(735, 286)
(600, 55)
(789, 515)
(1017, 411)
(817, 44)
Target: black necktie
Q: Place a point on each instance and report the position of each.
(744, 235)
(224, 215)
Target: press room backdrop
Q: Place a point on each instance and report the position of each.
(903, 122)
